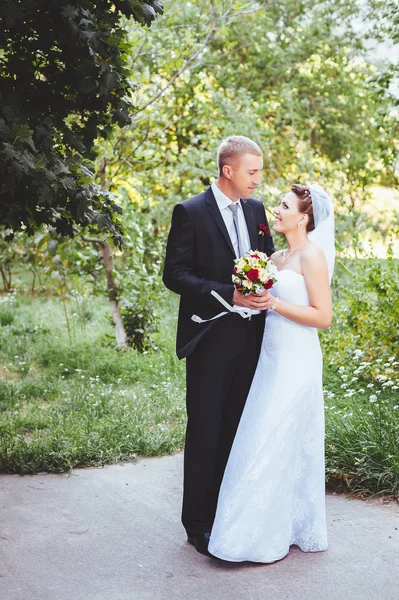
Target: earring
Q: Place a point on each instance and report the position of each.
(299, 225)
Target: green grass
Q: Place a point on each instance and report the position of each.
(362, 425)
(71, 402)
(72, 399)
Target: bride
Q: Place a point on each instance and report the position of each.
(273, 490)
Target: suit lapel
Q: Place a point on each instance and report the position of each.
(251, 224)
(215, 212)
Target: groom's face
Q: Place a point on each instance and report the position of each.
(244, 174)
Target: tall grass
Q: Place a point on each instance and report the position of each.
(362, 426)
(65, 404)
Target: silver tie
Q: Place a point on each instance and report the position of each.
(234, 209)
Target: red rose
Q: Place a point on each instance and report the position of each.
(264, 228)
(268, 284)
(235, 270)
(254, 256)
(253, 274)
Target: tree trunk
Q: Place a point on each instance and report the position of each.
(112, 290)
(113, 295)
(6, 277)
(106, 250)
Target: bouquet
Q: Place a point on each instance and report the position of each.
(254, 273)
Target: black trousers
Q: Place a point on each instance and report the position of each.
(219, 375)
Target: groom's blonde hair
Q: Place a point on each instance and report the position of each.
(234, 146)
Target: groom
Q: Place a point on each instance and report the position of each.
(208, 232)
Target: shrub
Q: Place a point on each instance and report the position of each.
(7, 309)
(6, 316)
(362, 425)
(366, 313)
(140, 320)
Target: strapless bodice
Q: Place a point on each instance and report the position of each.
(291, 287)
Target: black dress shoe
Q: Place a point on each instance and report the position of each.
(200, 542)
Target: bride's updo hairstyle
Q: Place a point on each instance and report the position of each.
(302, 192)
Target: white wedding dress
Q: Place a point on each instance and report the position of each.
(273, 489)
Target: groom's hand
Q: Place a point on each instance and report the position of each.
(255, 301)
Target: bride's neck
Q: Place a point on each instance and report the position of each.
(294, 238)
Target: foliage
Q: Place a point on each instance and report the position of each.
(366, 310)
(139, 274)
(293, 76)
(66, 404)
(139, 320)
(362, 424)
(7, 310)
(64, 82)
(73, 270)
(51, 257)
(362, 378)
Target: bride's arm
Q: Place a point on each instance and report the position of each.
(319, 312)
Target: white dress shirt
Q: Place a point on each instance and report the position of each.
(223, 203)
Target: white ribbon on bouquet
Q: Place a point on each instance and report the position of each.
(244, 313)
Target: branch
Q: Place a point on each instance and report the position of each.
(190, 60)
(98, 241)
(126, 159)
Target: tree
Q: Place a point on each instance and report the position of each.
(293, 75)
(64, 81)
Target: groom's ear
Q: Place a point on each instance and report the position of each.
(226, 171)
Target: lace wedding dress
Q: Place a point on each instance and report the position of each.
(273, 490)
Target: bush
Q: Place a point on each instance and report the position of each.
(140, 280)
(140, 320)
(362, 425)
(6, 316)
(366, 311)
(7, 309)
(362, 378)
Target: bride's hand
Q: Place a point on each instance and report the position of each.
(269, 299)
(254, 301)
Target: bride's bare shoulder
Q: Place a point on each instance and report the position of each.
(313, 256)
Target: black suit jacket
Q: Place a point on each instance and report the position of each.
(200, 258)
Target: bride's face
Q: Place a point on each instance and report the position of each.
(287, 215)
